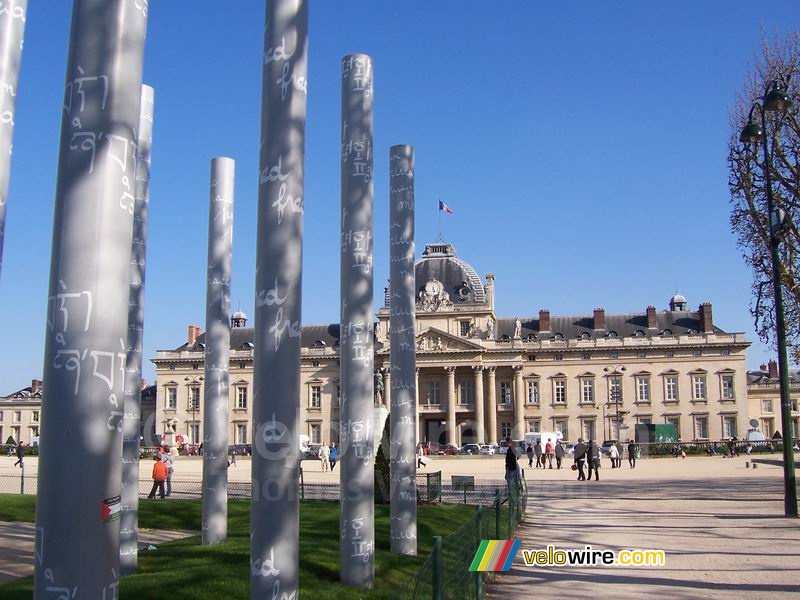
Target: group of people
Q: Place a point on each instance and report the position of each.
(588, 455)
(162, 473)
(544, 458)
(328, 456)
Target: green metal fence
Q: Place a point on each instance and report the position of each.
(445, 574)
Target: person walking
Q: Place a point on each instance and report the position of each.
(529, 452)
(159, 476)
(512, 468)
(632, 454)
(537, 450)
(420, 456)
(593, 460)
(619, 454)
(167, 460)
(549, 452)
(579, 456)
(20, 455)
(232, 461)
(613, 454)
(559, 452)
(332, 455)
(324, 457)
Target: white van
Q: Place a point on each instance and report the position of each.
(542, 437)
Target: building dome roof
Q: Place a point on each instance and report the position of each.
(239, 315)
(678, 298)
(458, 279)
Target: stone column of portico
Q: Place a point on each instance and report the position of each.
(491, 407)
(519, 404)
(480, 426)
(452, 426)
(420, 427)
(387, 388)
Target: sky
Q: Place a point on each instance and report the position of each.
(581, 146)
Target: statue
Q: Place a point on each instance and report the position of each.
(517, 329)
(490, 328)
(433, 297)
(378, 379)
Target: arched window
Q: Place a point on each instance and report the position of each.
(319, 344)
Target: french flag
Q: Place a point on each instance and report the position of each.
(443, 207)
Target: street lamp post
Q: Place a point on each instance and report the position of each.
(776, 99)
(616, 393)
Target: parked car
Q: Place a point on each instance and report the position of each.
(487, 450)
(470, 449)
(448, 449)
(606, 447)
(569, 449)
(312, 452)
(240, 449)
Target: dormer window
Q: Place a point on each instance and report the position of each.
(667, 332)
(531, 337)
(319, 344)
(247, 346)
(613, 334)
(558, 336)
(505, 338)
(585, 335)
(638, 333)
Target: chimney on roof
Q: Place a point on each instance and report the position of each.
(706, 321)
(194, 333)
(544, 321)
(36, 385)
(772, 367)
(599, 318)
(489, 290)
(651, 317)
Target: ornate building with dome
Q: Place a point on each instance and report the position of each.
(482, 377)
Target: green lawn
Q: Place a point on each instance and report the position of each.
(189, 570)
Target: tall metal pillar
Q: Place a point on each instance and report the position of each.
(80, 465)
(218, 346)
(275, 516)
(12, 32)
(452, 422)
(131, 421)
(356, 332)
(402, 328)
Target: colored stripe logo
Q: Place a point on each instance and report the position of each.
(495, 555)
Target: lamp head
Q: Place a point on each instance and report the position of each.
(751, 133)
(777, 98)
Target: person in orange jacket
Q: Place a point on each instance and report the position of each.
(159, 477)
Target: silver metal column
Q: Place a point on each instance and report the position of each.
(12, 32)
(480, 425)
(275, 517)
(218, 347)
(356, 334)
(491, 405)
(129, 519)
(402, 327)
(80, 465)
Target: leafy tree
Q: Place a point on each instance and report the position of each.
(779, 59)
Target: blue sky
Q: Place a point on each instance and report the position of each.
(582, 148)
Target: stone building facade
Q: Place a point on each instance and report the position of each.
(481, 377)
(764, 396)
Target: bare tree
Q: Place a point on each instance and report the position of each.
(779, 59)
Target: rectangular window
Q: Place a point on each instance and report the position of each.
(338, 400)
(701, 428)
(766, 406)
(18, 416)
(674, 421)
(194, 398)
(315, 433)
(728, 388)
(560, 392)
(533, 425)
(172, 398)
(241, 397)
(505, 392)
(698, 387)
(587, 391)
(795, 428)
(590, 429)
(1, 420)
(643, 389)
(645, 420)
(316, 396)
(669, 354)
(465, 392)
(505, 430)
(434, 393)
(671, 388)
(241, 433)
(729, 426)
(34, 431)
(533, 392)
(194, 433)
(768, 427)
(2, 439)
(16, 433)
(464, 328)
(561, 425)
(615, 389)
(35, 416)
